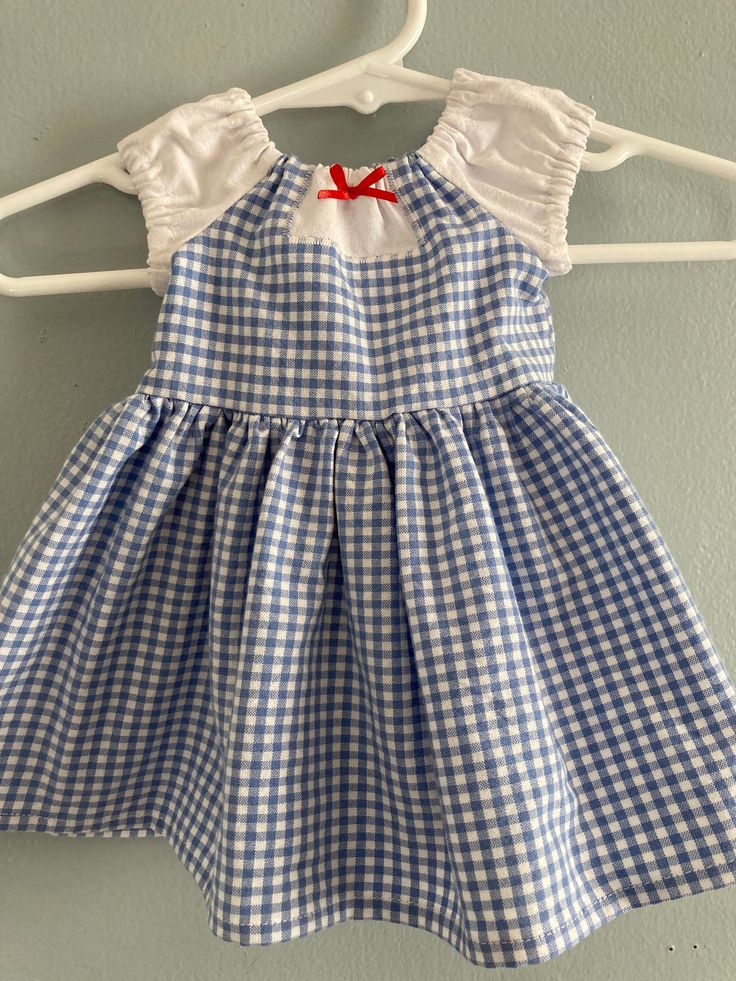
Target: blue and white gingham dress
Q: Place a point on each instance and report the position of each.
(367, 622)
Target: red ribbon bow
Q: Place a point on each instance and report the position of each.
(342, 190)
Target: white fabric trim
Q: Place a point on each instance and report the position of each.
(359, 228)
(189, 166)
(516, 148)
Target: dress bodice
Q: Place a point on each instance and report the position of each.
(283, 300)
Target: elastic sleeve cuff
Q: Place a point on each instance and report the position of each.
(138, 153)
(575, 123)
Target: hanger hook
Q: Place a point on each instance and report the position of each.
(416, 17)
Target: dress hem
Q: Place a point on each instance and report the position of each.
(565, 936)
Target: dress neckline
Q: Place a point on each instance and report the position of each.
(259, 128)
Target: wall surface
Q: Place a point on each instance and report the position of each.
(648, 351)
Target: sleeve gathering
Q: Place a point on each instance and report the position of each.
(516, 148)
(189, 165)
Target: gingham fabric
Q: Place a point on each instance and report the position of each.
(256, 325)
(351, 603)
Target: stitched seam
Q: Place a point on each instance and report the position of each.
(321, 240)
(472, 200)
(213, 221)
(406, 210)
(401, 410)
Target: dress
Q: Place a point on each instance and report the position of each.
(349, 600)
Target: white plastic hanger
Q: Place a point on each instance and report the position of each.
(365, 84)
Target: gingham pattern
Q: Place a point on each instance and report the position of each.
(437, 667)
(255, 322)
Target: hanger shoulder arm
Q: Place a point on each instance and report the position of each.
(624, 144)
(83, 282)
(589, 254)
(105, 170)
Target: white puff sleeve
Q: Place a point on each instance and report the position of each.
(189, 165)
(516, 148)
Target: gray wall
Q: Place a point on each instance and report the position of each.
(647, 350)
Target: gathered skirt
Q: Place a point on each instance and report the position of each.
(438, 668)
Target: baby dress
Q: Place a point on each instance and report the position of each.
(349, 600)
